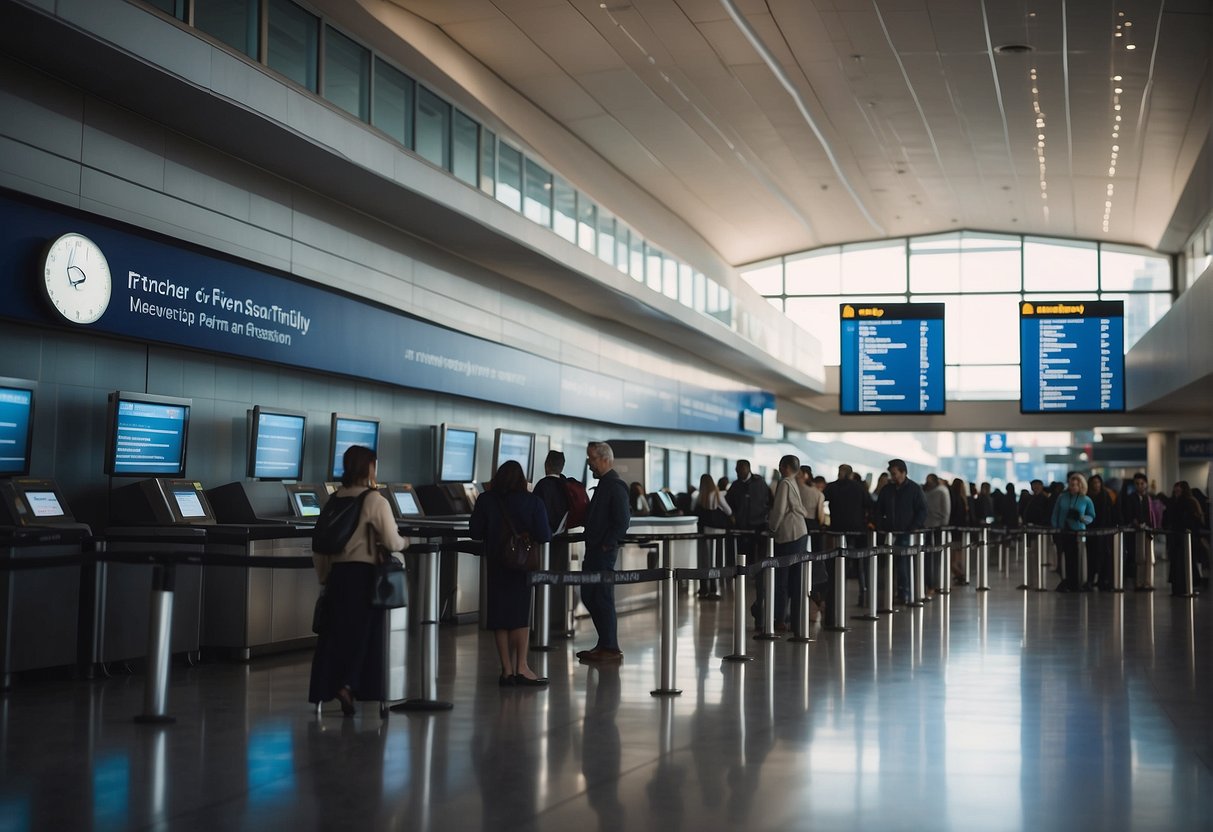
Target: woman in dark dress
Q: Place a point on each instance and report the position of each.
(1183, 518)
(509, 595)
(348, 663)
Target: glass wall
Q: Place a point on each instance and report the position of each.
(465, 149)
(293, 43)
(433, 126)
(233, 22)
(347, 74)
(981, 278)
(393, 110)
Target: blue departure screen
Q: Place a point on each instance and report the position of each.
(892, 358)
(149, 439)
(458, 455)
(347, 432)
(1072, 357)
(278, 452)
(16, 405)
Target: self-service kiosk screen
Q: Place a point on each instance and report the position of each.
(147, 436)
(188, 503)
(44, 503)
(307, 504)
(16, 428)
(347, 431)
(515, 445)
(276, 445)
(406, 503)
(458, 455)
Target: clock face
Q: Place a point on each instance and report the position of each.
(76, 278)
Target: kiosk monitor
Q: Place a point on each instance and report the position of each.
(404, 500)
(276, 441)
(146, 435)
(456, 454)
(306, 500)
(16, 426)
(347, 431)
(515, 445)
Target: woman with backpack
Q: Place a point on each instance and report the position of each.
(348, 663)
(507, 510)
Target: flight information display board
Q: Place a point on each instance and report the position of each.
(892, 358)
(1072, 357)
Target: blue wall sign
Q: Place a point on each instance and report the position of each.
(172, 294)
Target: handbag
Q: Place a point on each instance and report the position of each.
(518, 550)
(390, 591)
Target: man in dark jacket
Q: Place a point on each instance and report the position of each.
(750, 500)
(901, 509)
(848, 501)
(606, 523)
(1135, 512)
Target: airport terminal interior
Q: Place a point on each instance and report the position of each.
(967, 240)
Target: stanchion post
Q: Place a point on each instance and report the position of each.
(920, 568)
(1022, 545)
(1042, 575)
(424, 637)
(669, 597)
(945, 562)
(803, 625)
(912, 599)
(768, 605)
(968, 551)
(838, 610)
(1189, 589)
(983, 564)
(159, 640)
(888, 583)
(542, 630)
(716, 548)
(1084, 573)
(739, 614)
(1118, 561)
(873, 583)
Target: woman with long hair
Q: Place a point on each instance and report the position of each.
(507, 508)
(1182, 518)
(959, 517)
(348, 663)
(1072, 513)
(713, 512)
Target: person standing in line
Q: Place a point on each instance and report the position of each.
(348, 663)
(1072, 512)
(958, 516)
(901, 509)
(787, 525)
(555, 497)
(1099, 547)
(939, 512)
(1135, 512)
(848, 500)
(507, 507)
(750, 500)
(713, 512)
(606, 524)
(1182, 519)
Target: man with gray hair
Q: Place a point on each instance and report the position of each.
(606, 523)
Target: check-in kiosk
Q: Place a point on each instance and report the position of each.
(146, 440)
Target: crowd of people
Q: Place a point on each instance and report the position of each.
(796, 507)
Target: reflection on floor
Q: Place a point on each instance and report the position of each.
(999, 710)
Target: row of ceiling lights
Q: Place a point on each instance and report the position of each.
(1123, 33)
(1040, 142)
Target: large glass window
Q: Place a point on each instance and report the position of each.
(537, 206)
(174, 7)
(465, 148)
(233, 22)
(587, 223)
(669, 277)
(1059, 266)
(293, 43)
(874, 267)
(652, 267)
(433, 138)
(565, 214)
(347, 73)
(1125, 269)
(815, 273)
(767, 279)
(621, 246)
(606, 236)
(509, 176)
(1142, 311)
(393, 111)
(686, 284)
(488, 161)
(637, 257)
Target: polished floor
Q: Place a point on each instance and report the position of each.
(999, 710)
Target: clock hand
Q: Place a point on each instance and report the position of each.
(73, 270)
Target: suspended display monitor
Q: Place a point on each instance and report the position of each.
(146, 435)
(276, 440)
(892, 358)
(1072, 356)
(347, 431)
(516, 445)
(456, 454)
(16, 426)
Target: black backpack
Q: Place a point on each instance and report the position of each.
(337, 523)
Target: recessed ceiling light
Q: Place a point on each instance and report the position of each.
(1130, 46)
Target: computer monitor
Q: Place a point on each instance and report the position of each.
(306, 499)
(146, 435)
(404, 500)
(16, 426)
(456, 453)
(347, 431)
(515, 445)
(276, 440)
